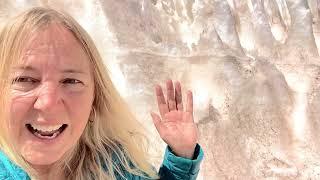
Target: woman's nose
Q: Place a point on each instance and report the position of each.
(48, 97)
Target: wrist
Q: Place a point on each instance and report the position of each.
(186, 153)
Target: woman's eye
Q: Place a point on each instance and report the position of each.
(71, 81)
(24, 80)
(73, 85)
(24, 83)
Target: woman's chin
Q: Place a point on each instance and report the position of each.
(41, 159)
(39, 151)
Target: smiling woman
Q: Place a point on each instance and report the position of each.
(64, 119)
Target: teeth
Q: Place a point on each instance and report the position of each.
(47, 137)
(46, 128)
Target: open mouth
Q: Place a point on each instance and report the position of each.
(46, 132)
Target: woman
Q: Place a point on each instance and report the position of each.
(64, 119)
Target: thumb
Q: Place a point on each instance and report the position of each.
(157, 122)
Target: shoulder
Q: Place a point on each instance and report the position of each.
(124, 173)
(10, 171)
(4, 171)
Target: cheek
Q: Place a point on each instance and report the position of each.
(19, 113)
(20, 105)
(79, 107)
(78, 117)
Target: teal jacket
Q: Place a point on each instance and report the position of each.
(172, 168)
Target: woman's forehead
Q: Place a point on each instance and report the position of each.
(53, 37)
(56, 44)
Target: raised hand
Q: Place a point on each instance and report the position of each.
(176, 125)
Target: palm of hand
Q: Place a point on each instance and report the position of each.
(176, 126)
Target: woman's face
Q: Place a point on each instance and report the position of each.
(52, 94)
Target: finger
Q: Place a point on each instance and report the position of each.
(157, 123)
(189, 102)
(170, 96)
(178, 96)
(162, 105)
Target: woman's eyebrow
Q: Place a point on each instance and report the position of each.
(24, 68)
(73, 71)
(66, 71)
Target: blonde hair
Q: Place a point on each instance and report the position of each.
(113, 141)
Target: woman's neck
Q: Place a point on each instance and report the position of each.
(48, 172)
